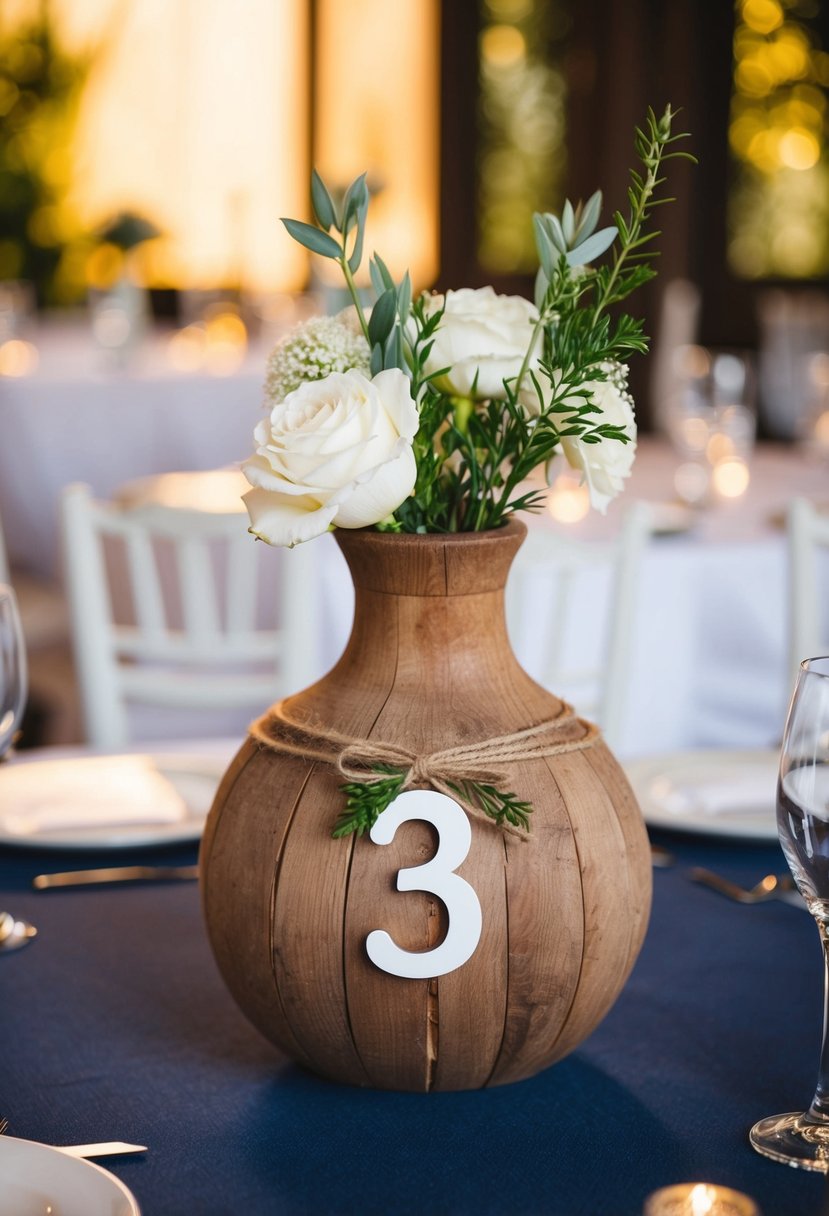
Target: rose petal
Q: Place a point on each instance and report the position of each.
(378, 492)
(286, 521)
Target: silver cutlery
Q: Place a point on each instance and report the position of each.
(109, 1148)
(83, 878)
(112, 1148)
(14, 933)
(772, 886)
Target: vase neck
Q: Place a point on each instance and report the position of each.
(444, 565)
(428, 662)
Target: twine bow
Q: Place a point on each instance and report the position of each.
(377, 771)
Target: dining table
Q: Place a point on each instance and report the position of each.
(115, 1025)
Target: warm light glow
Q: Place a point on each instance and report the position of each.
(377, 109)
(719, 447)
(502, 46)
(194, 117)
(216, 490)
(778, 208)
(799, 149)
(692, 362)
(568, 500)
(226, 343)
(694, 432)
(762, 15)
(731, 478)
(703, 1198)
(218, 343)
(185, 349)
(17, 358)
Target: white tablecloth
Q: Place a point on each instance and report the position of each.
(76, 418)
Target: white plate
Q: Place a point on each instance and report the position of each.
(194, 777)
(678, 791)
(38, 1180)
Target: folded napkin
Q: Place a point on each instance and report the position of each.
(750, 793)
(88, 792)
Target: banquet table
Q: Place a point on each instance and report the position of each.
(115, 1025)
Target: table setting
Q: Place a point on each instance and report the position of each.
(421, 941)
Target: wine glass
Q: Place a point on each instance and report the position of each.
(13, 682)
(802, 1138)
(13, 686)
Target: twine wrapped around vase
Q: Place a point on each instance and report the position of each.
(368, 761)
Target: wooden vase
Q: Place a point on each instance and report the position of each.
(288, 907)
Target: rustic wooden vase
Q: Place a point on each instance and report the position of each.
(288, 907)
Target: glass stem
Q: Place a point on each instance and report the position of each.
(820, 1103)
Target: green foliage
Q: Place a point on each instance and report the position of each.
(39, 89)
(474, 456)
(366, 801)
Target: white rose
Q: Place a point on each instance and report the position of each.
(605, 465)
(482, 339)
(335, 451)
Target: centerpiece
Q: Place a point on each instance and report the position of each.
(426, 871)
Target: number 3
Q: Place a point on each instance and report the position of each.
(436, 877)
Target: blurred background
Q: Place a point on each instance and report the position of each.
(155, 144)
(148, 149)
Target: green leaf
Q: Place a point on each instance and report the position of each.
(376, 360)
(592, 248)
(356, 197)
(382, 317)
(376, 277)
(385, 273)
(322, 201)
(589, 217)
(404, 296)
(357, 251)
(394, 351)
(313, 239)
(555, 231)
(568, 221)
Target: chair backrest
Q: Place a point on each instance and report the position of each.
(808, 534)
(555, 579)
(190, 583)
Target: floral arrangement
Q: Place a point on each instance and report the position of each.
(429, 414)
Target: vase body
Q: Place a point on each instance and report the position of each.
(288, 907)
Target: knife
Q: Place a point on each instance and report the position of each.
(110, 1149)
(83, 878)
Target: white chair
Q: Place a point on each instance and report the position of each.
(808, 534)
(556, 580)
(190, 581)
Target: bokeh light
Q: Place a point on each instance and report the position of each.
(778, 214)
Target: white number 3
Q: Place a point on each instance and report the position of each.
(435, 876)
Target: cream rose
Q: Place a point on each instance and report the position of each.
(335, 451)
(605, 465)
(482, 339)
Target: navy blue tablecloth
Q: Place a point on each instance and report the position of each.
(114, 1024)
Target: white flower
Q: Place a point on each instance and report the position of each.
(605, 465)
(336, 452)
(311, 351)
(482, 339)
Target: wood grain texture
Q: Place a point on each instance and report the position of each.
(288, 908)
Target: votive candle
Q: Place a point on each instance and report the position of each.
(699, 1199)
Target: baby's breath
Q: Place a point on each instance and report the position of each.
(311, 351)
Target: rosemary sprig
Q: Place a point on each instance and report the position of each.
(366, 801)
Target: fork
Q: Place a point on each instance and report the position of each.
(772, 886)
